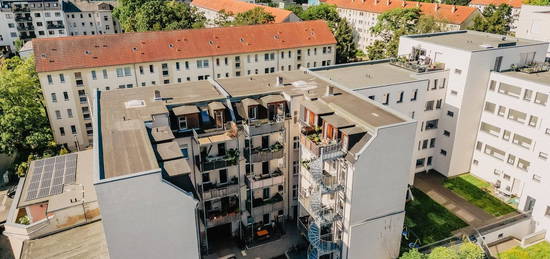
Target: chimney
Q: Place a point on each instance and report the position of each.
(388, 2)
(453, 9)
(403, 3)
(279, 81)
(330, 90)
(157, 95)
(418, 4)
(436, 6)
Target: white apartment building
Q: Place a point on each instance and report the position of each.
(29, 19)
(108, 62)
(512, 148)
(515, 4)
(233, 157)
(212, 9)
(362, 15)
(88, 17)
(533, 23)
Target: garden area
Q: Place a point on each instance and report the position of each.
(477, 192)
(538, 251)
(426, 221)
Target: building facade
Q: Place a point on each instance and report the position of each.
(162, 58)
(533, 22)
(252, 153)
(362, 15)
(26, 20)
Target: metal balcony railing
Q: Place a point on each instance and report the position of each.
(55, 26)
(213, 191)
(417, 66)
(264, 126)
(321, 150)
(255, 182)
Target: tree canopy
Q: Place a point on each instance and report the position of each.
(395, 23)
(253, 16)
(537, 2)
(494, 19)
(466, 250)
(156, 15)
(345, 45)
(24, 127)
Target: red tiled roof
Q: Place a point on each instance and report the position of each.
(236, 7)
(513, 3)
(62, 53)
(439, 11)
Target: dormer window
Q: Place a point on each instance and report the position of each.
(253, 112)
(182, 123)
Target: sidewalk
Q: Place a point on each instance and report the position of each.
(432, 185)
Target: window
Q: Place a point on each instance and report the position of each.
(266, 193)
(69, 113)
(434, 86)
(429, 161)
(458, 71)
(443, 152)
(187, 65)
(66, 96)
(105, 74)
(61, 131)
(386, 99)
(184, 151)
(429, 106)
(547, 213)
(295, 168)
(73, 129)
(420, 162)
(453, 92)
(58, 114)
(543, 156)
(492, 85)
(61, 78)
(425, 144)
(206, 178)
(54, 98)
(511, 159)
(400, 97)
(151, 69)
(119, 72)
(432, 142)
(141, 70)
(94, 76)
(182, 123)
(527, 95)
(127, 71)
(450, 114)
(479, 145)
(438, 104)
(50, 80)
(202, 63)
(537, 178)
(177, 66)
(431, 124)
(164, 69)
(414, 95)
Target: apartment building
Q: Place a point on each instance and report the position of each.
(30, 19)
(417, 93)
(212, 9)
(119, 61)
(515, 4)
(237, 157)
(88, 17)
(512, 148)
(533, 23)
(362, 15)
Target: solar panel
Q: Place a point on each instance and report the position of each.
(50, 174)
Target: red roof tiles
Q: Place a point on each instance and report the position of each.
(236, 7)
(63, 53)
(513, 3)
(448, 13)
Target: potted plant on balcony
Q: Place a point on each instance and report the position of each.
(276, 147)
(232, 156)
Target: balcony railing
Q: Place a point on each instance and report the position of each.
(261, 155)
(274, 178)
(219, 217)
(213, 191)
(261, 207)
(212, 163)
(21, 9)
(417, 66)
(322, 149)
(25, 28)
(55, 26)
(23, 18)
(264, 126)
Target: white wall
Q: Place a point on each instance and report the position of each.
(147, 217)
(533, 23)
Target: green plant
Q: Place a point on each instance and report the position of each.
(25, 220)
(232, 156)
(276, 147)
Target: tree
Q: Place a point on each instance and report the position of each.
(155, 15)
(469, 250)
(494, 19)
(296, 9)
(18, 44)
(395, 23)
(345, 45)
(537, 2)
(413, 254)
(253, 16)
(442, 252)
(223, 18)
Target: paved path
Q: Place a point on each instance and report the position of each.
(432, 185)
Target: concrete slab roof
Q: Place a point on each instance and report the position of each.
(541, 77)
(366, 74)
(337, 121)
(169, 151)
(472, 40)
(177, 167)
(163, 133)
(126, 145)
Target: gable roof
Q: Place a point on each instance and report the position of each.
(454, 14)
(512, 3)
(236, 7)
(53, 54)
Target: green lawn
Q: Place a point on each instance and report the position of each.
(428, 220)
(538, 251)
(471, 188)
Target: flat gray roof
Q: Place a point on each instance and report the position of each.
(364, 75)
(470, 40)
(541, 77)
(126, 145)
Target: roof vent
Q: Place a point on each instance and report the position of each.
(134, 49)
(134, 104)
(276, 37)
(329, 91)
(87, 52)
(242, 40)
(375, 114)
(170, 45)
(210, 42)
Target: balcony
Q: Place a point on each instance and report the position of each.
(261, 206)
(25, 28)
(213, 191)
(532, 68)
(55, 26)
(274, 178)
(418, 66)
(21, 18)
(321, 148)
(220, 217)
(325, 215)
(275, 151)
(216, 162)
(21, 9)
(263, 126)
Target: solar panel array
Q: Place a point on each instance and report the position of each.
(50, 174)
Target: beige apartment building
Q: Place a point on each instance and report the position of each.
(71, 68)
(362, 15)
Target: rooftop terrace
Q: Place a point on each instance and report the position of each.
(472, 40)
(540, 77)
